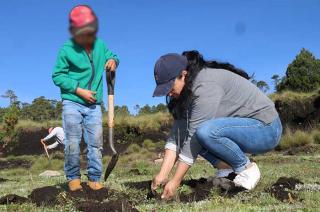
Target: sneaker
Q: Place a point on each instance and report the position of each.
(75, 185)
(248, 178)
(95, 185)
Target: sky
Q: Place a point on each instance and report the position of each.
(259, 36)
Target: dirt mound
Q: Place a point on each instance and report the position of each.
(85, 200)
(45, 196)
(283, 189)
(12, 198)
(10, 164)
(200, 188)
(89, 194)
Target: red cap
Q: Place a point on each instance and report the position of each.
(81, 16)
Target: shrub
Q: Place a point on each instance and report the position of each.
(299, 138)
(133, 148)
(149, 144)
(316, 137)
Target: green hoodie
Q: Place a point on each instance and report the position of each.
(74, 69)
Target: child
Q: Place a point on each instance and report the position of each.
(78, 73)
(55, 133)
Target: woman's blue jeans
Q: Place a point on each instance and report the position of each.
(228, 139)
(78, 118)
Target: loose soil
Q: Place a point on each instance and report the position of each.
(283, 189)
(10, 164)
(201, 188)
(12, 198)
(86, 200)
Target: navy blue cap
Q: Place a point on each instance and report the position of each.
(166, 69)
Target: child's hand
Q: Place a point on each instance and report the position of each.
(87, 95)
(111, 65)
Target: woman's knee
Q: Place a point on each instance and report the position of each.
(206, 131)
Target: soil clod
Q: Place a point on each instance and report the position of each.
(47, 196)
(12, 198)
(283, 189)
(112, 205)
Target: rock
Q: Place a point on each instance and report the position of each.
(50, 173)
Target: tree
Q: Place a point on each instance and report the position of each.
(145, 110)
(263, 86)
(10, 94)
(303, 74)
(42, 109)
(276, 80)
(121, 110)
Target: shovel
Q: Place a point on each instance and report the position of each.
(45, 149)
(110, 83)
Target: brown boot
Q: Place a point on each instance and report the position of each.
(74, 185)
(95, 185)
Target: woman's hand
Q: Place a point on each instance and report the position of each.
(158, 181)
(170, 189)
(111, 65)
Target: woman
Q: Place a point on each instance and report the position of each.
(218, 114)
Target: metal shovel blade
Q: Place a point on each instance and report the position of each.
(115, 156)
(111, 166)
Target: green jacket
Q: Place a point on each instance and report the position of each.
(74, 69)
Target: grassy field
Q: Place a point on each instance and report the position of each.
(139, 166)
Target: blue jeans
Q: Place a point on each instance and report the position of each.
(228, 139)
(78, 118)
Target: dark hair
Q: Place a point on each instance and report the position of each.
(178, 106)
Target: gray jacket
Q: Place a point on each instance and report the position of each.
(218, 93)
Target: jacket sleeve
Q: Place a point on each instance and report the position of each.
(52, 134)
(110, 55)
(60, 75)
(203, 108)
(177, 135)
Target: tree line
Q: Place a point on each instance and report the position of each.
(302, 75)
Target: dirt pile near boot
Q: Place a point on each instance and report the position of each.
(85, 200)
(47, 196)
(283, 189)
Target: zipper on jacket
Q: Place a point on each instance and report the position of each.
(93, 71)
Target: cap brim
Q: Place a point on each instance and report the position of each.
(163, 89)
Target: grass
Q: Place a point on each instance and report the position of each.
(292, 95)
(272, 165)
(295, 139)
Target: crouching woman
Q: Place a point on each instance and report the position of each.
(218, 114)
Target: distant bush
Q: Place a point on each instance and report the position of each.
(133, 148)
(298, 138)
(316, 137)
(149, 144)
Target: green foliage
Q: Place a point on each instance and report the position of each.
(296, 139)
(316, 137)
(263, 86)
(10, 119)
(149, 144)
(151, 109)
(303, 74)
(133, 148)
